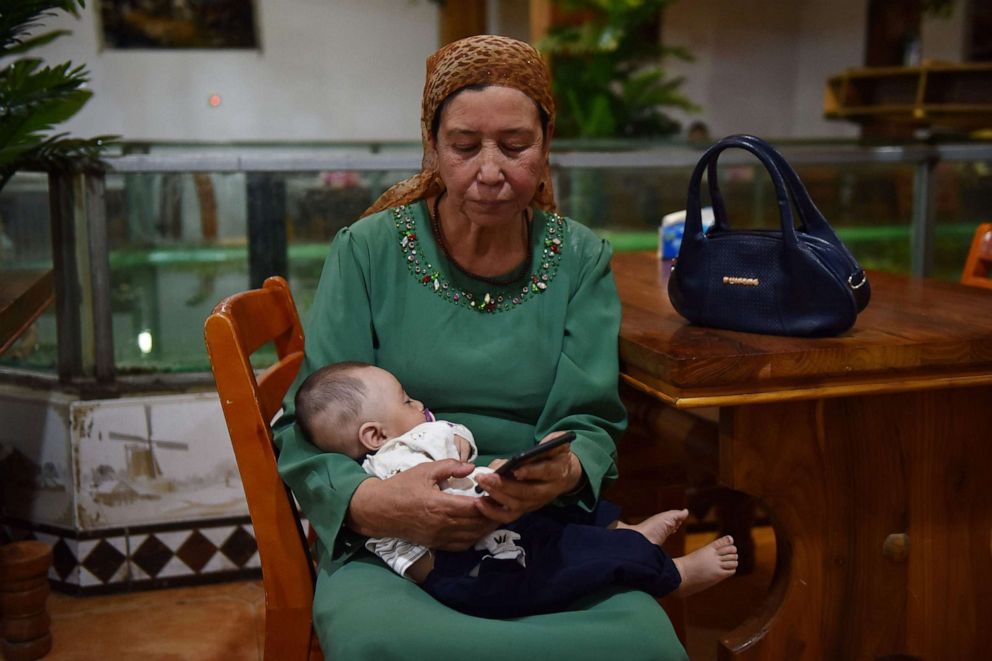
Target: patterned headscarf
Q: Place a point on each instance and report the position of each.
(486, 60)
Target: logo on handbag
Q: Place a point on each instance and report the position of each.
(736, 280)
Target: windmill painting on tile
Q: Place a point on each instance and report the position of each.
(161, 458)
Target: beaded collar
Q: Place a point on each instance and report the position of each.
(487, 298)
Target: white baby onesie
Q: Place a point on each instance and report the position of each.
(430, 441)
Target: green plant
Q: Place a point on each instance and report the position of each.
(34, 98)
(607, 70)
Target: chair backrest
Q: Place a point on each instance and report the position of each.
(978, 264)
(239, 325)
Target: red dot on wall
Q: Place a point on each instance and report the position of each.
(214, 100)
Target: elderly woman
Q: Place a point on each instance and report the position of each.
(502, 316)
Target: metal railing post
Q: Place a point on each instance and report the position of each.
(267, 240)
(923, 216)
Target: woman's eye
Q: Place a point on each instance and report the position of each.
(514, 149)
(465, 148)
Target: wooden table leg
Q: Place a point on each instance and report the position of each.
(883, 512)
(652, 478)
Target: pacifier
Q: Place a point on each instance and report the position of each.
(428, 415)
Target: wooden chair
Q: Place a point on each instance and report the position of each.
(238, 326)
(978, 265)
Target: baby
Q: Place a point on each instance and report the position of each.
(539, 563)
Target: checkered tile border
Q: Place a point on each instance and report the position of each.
(145, 557)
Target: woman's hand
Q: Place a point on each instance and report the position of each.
(411, 506)
(533, 485)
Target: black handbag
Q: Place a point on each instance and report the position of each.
(794, 281)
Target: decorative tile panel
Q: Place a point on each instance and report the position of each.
(150, 555)
(35, 460)
(154, 459)
(123, 559)
(131, 493)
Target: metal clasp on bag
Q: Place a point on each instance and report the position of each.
(850, 280)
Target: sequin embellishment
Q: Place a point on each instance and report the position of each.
(494, 298)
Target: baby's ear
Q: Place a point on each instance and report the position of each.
(371, 437)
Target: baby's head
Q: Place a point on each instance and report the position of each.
(353, 408)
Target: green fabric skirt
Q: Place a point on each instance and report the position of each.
(365, 611)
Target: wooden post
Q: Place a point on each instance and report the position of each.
(461, 18)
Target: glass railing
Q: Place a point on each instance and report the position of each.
(25, 255)
(187, 225)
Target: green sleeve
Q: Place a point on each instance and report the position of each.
(584, 397)
(339, 327)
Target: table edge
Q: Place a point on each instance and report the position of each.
(688, 398)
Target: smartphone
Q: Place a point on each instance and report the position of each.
(530, 454)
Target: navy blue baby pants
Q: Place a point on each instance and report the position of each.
(569, 554)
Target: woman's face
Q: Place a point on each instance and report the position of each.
(491, 153)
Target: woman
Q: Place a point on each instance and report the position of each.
(502, 316)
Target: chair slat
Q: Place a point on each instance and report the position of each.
(274, 382)
(261, 316)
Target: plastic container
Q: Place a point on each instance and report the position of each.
(671, 229)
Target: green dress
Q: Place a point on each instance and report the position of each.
(512, 363)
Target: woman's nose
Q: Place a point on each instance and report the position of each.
(490, 168)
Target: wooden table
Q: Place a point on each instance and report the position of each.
(871, 451)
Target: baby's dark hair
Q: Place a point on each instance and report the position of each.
(336, 386)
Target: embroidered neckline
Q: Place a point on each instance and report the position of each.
(520, 273)
(488, 298)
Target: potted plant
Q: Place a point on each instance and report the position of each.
(610, 82)
(609, 79)
(34, 98)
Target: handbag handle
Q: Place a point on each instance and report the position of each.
(693, 217)
(810, 218)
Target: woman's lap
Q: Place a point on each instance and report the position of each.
(365, 611)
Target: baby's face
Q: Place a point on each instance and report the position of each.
(397, 411)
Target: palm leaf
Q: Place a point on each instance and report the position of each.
(21, 17)
(35, 98)
(25, 45)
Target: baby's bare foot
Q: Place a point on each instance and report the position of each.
(659, 527)
(707, 566)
